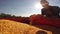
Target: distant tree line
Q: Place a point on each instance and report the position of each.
(15, 18)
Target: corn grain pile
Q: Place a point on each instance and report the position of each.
(12, 27)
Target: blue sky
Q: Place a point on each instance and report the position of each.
(23, 7)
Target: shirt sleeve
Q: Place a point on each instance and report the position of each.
(59, 10)
(42, 12)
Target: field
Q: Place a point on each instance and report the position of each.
(12, 27)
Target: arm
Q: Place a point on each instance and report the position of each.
(43, 12)
(59, 12)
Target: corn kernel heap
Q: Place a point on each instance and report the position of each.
(12, 27)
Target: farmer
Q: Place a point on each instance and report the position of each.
(49, 11)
